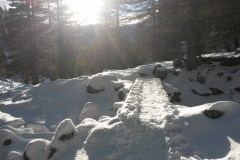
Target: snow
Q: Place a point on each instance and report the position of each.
(37, 149)
(60, 120)
(100, 81)
(222, 55)
(91, 110)
(13, 155)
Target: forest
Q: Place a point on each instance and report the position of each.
(40, 38)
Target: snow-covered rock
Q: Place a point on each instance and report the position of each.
(7, 119)
(99, 82)
(117, 105)
(86, 125)
(91, 110)
(64, 133)
(14, 155)
(7, 137)
(37, 149)
(37, 128)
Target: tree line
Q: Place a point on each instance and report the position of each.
(41, 38)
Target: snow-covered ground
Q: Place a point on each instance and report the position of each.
(124, 114)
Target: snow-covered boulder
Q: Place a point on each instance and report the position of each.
(216, 91)
(102, 141)
(117, 105)
(117, 85)
(7, 119)
(154, 69)
(16, 123)
(13, 155)
(7, 137)
(108, 120)
(99, 83)
(86, 125)
(218, 109)
(91, 110)
(122, 93)
(63, 135)
(37, 149)
(37, 128)
(173, 93)
(213, 114)
(161, 73)
(225, 106)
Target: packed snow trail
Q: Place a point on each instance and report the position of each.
(148, 139)
(153, 101)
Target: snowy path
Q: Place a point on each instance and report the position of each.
(153, 102)
(144, 137)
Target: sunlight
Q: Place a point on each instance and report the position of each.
(86, 11)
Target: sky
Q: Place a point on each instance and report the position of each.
(85, 11)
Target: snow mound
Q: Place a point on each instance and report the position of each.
(13, 155)
(37, 149)
(117, 105)
(103, 140)
(209, 138)
(91, 110)
(7, 119)
(7, 137)
(37, 128)
(86, 125)
(101, 81)
(64, 133)
(225, 106)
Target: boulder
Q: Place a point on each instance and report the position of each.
(122, 93)
(92, 90)
(177, 63)
(154, 69)
(14, 155)
(161, 73)
(200, 79)
(216, 91)
(100, 82)
(237, 51)
(7, 142)
(213, 114)
(142, 74)
(25, 157)
(237, 89)
(229, 78)
(52, 152)
(176, 97)
(66, 137)
(175, 73)
(117, 85)
(36, 149)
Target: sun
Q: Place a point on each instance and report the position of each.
(86, 11)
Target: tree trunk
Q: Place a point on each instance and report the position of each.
(155, 56)
(192, 37)
(34, 71)
(61, 65)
